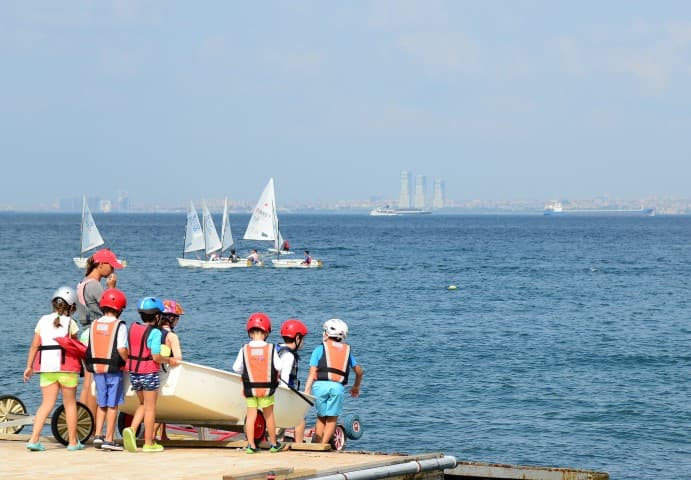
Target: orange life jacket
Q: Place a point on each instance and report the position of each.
(334, 364)
(102, 354)
(140, 359)
(259, 377)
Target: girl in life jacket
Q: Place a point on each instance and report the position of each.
(59, 369)
(293, 332)
(170, 342)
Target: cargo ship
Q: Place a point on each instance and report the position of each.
(556, 208)
(394, 212)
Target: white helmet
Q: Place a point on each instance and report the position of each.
(67, 294)
(336, 328)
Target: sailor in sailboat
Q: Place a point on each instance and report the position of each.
(254, 257)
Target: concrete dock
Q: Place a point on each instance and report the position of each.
(186, 459)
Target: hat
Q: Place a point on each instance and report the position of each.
(106, 256)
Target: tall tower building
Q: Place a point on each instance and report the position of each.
(438, 199)
(420, 187)
(404, 198)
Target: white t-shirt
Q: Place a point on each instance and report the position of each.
(51, 359)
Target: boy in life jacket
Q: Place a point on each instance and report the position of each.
(106, 354)
(330, 366)
(144, 364)
(59, 369)
(293, 332)
(259, 365)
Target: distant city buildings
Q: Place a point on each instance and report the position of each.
(420, 200)
(404, 197)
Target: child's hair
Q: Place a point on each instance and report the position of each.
(62, 308)
(114, 311)
(148, 317)
(252, 330)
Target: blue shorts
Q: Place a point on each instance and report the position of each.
(328, 398)
(145, 381)
(109, 389)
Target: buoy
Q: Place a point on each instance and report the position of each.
(452, 287)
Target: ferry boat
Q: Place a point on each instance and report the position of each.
(394, 212)
(556, 208)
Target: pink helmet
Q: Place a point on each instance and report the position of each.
(171, 307)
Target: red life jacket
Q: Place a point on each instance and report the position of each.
(259, 377)
(334, 364)
(140, 359)
(68, 361)
(102, 354)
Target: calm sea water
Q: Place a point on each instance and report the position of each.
(567, 342)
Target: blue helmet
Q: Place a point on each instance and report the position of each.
(150, 305)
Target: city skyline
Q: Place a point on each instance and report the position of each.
(171, 101)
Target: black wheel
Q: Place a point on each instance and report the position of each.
(125, 420)
(338, 440)
(85, 424)
(11, 408)
(352, 426)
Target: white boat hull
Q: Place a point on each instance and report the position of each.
(295, 263)
(189, 262)
(224, 264)
(193, 394)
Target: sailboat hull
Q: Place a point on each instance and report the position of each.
(295, 263)
(224, 264)
(189, 262)
(80, 261)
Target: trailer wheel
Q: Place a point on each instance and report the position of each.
(259, 427)
(85, 424)
(338, 440)
(10, 406)
(125, 420)
(352, 426)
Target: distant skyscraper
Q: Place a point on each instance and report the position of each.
(404, 199)
(420, 187)
(438, 199)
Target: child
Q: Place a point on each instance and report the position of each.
(59, 369)
(258, 363)
(293, 332)
(170, 345)
(169, 339)
(105, 356)
(144, 364)
(254, 257)
(330, 365)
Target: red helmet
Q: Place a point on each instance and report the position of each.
(113, 298)
(292, 327)
(259, 320)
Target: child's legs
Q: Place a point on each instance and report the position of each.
(138, 413)
(150, 397)
(86, 397)
(249, 425)
(300, 432)
(111, 420)
(49, 396)
(329, 429)
(268, 412)
(69, 400)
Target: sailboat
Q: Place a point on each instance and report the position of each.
(90, 236)
(280, 242)
(226, 242)
(263, 225)
(194, 239)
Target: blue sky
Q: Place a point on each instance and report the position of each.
(178, 101)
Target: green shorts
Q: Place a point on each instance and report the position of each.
(65, 379)
(260, 402)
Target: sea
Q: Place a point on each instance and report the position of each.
(566, 342)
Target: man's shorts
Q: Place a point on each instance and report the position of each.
(260, 402)
(328, 398)
(145, 381)
(65, 379)
(109, 389)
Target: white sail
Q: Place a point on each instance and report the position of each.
(226, 233)
(211, 241)
(194, 237)
(263, 224)
(91, 237)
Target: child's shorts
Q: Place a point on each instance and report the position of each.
(329, 398)
(260, 402)
(145, 381)
(109, 389)
(65, 379)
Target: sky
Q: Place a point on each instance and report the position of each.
(172, 101)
